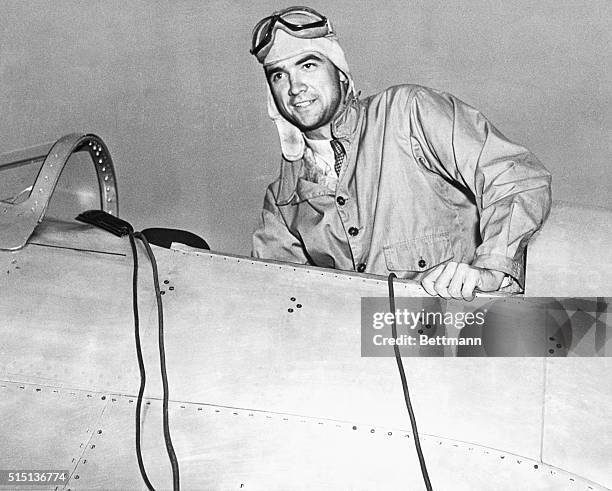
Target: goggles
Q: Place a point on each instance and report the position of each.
(301, 22)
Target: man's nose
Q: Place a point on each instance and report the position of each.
(296, 84)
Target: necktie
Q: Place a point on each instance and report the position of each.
(339, 155)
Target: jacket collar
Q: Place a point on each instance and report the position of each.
(345, 124)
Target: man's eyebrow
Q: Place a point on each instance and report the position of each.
(308, 57)
(282, 66)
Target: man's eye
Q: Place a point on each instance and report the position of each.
(275, 77)
(309, 65)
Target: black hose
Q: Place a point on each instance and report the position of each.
(400, 366)
(141, 367)
(162, 360)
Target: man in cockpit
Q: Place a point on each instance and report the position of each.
(410, 180)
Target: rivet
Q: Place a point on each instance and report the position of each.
(108, 200)
(95, 147)
(166, 282)
(108, 189)
(299, 305)
(354, 427)
(171, 288)
(163, 292)
(100, 161)
(289, 310)
(559, 346)
(99, 432)
(90, 144)
(293, 299)
(103, 169)
(46, 178)
(98, 153)
(106, 178)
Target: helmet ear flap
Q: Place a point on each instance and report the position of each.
(291, 139)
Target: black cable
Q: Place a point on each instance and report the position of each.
(141, 367)
(162, 359)
(119, 227)
(400, 366)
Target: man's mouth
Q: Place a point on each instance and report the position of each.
(302, 104)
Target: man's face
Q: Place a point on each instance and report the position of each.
(308, 91)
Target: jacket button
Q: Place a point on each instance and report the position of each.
(353, 231)
(340, 200)
(361, 267)
(422, 263)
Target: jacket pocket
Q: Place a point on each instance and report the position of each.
(418, 254)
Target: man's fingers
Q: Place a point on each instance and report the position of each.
(429, 279)
(442, 283)
(469, 285)
(456, 282)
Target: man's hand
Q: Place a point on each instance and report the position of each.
(458, 280)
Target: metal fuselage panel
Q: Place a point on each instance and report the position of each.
(263, 397)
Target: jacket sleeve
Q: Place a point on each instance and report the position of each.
(272, 238)
(512, 189)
